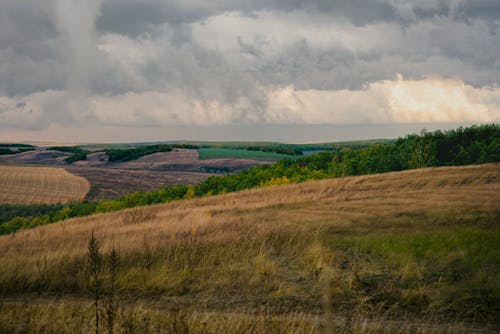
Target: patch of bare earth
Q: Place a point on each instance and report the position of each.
(38, 156)
(109, 180)
(185, 160)
(112, 182)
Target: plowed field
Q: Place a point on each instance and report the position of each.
(30, 185)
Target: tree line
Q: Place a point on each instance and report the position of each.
(77, 153)
(122, 155)
(6, 151)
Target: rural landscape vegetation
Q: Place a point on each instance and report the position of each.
(249, 167)
(381, 236)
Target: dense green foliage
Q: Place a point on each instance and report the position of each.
(77, 153)
(27, 216)
(464, 146)
(9, 211)
(5, 151)
(76, 157)
(115, 155)
(67, 149)
(16, 145)
(291, 149)
(356, 144)
(277, 149)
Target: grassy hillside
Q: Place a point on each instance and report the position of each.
(413, 251)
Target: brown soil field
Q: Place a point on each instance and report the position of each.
(110, 180)
(30, 185)
(38, 156)
(177, 160)
(113, 182)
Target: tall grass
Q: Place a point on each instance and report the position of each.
(400, 252)
(73, 318)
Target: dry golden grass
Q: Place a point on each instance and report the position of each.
(400, 252)
(40, 185)
(72, 318)
(344, 203)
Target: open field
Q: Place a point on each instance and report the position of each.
(221, 153)
(414, 251)
(150, 172)
(113, 182)
(37, 156)
(30, 185)
(188, 161)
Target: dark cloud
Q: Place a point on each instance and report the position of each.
(134, 17)
(232, 52)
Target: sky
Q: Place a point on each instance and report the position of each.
(283, 70)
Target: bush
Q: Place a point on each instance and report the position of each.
(77, 153)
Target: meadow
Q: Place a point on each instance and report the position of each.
(402, 252)
(228, 153)
(40, 185)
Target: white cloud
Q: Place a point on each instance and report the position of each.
(395, 101)
(387, 101)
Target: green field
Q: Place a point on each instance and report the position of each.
(221, 153)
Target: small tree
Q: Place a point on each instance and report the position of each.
(422, 151)
(111, 305)
(95, 280)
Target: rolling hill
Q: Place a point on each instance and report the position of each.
(396, 252)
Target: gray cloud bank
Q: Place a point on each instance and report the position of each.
(193, 62)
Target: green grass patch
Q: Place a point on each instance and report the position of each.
(443, 274)
(453, 272)
(221, 153)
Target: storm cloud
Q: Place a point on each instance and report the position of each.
(154, 63)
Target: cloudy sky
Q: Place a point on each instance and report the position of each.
(291, 70)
